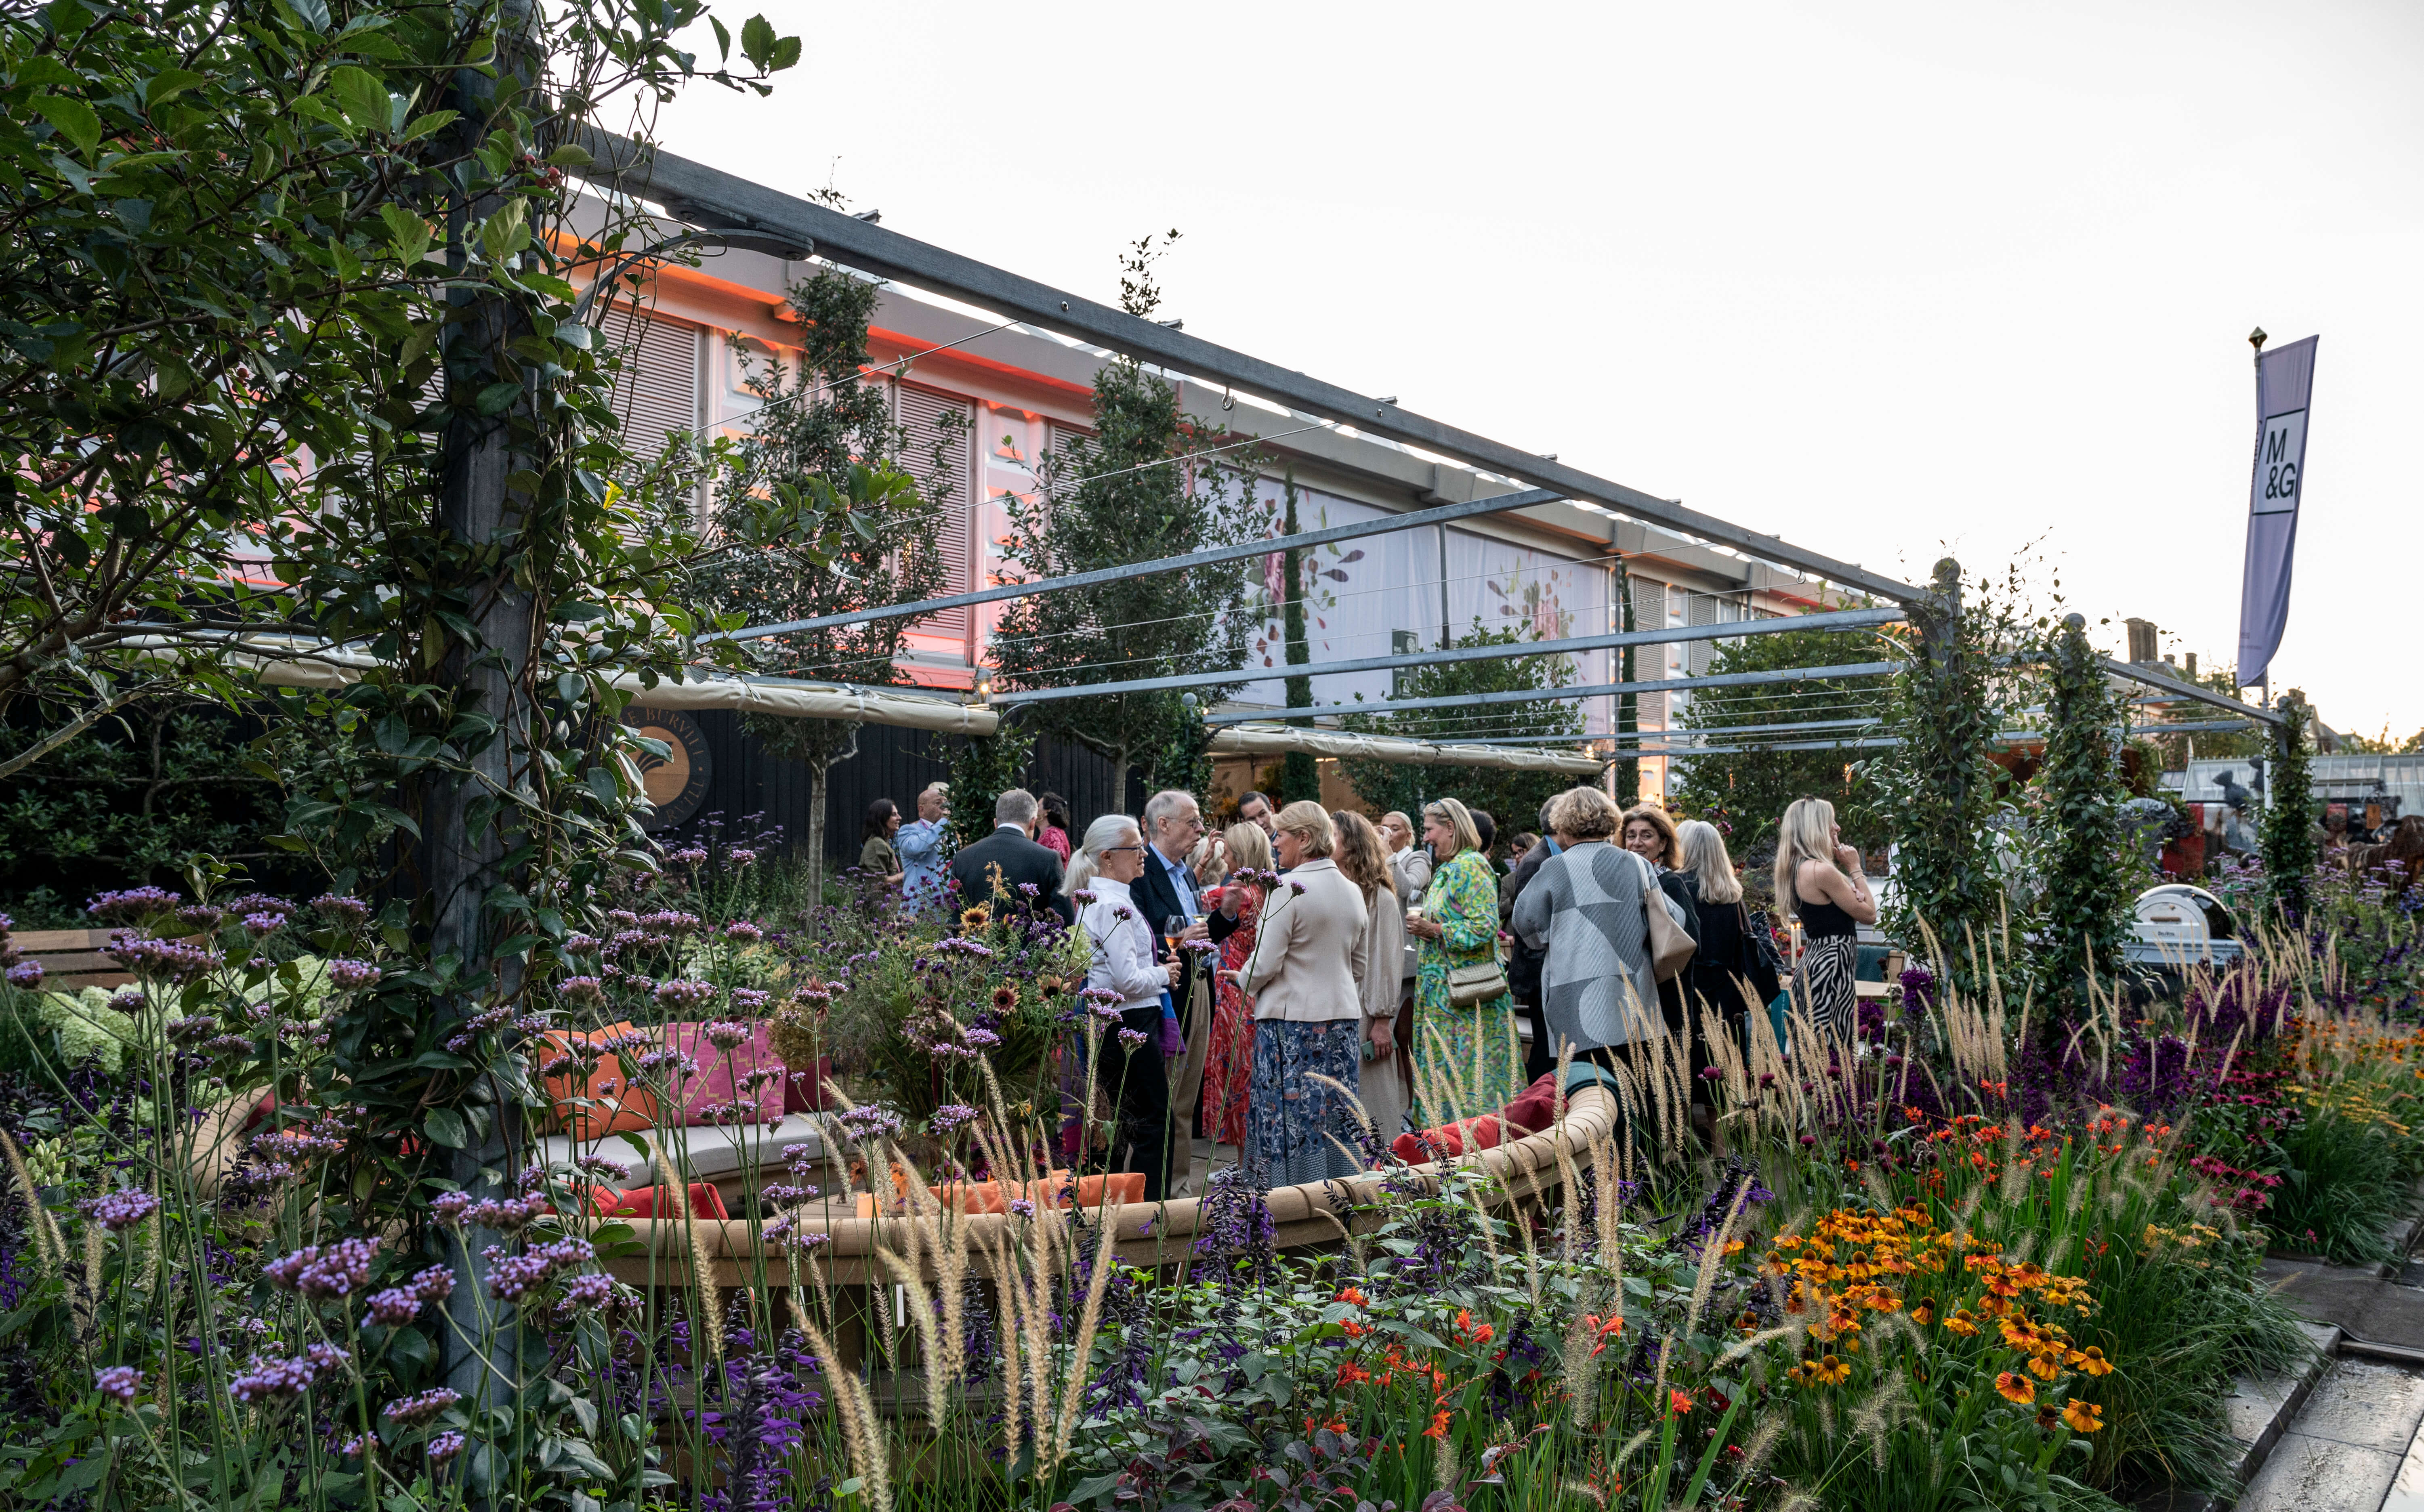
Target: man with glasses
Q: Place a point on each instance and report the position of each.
(1173, 821)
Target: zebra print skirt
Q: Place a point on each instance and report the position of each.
(1823, 989)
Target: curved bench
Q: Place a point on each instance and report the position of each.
(1149, 1234)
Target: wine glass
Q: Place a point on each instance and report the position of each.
(1172, 928)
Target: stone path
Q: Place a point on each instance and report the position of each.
(2352, 1444)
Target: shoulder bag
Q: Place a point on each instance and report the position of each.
(1670, 948)
(1473, 985)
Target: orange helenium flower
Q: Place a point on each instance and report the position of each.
(2015, 1387)
(2083, 1417)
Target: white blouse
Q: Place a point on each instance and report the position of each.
(1123, 960)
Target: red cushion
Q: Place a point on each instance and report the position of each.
(1534, 1110)
(704, 1203)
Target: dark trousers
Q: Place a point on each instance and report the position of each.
(1142, 1083)
(1540, 1055)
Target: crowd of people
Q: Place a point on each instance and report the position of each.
(1304, 980)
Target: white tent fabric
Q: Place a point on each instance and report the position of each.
(294, 662)
(1277, 739)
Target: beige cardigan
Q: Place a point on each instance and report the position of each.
(1308, 946)
(1384, 947)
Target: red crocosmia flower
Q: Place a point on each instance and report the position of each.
(1679, 1403)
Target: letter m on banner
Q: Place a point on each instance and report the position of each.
(2285, 381)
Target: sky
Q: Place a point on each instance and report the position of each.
(1887, 280)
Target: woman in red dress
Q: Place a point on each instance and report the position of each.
(1229, 1052)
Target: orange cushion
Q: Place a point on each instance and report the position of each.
(704, 1203)
(609, 1104)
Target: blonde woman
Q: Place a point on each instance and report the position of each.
(1729, 953)
(1819, 881)
(1229, 1054)
(1363, 856)
(1308, 1015)
(1470, 1053)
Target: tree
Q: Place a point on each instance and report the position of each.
(1939, 786)
(1750, 789)
(1144, 485)
(826, 450)
(1511, 798)
(2289, 848)
(2082, 921)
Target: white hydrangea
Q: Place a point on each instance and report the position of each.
(91, 1032)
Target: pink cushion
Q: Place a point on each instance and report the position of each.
(719, 1072)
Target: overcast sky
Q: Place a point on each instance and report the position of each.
(1882, 279)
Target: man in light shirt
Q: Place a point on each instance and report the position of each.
(921, 848)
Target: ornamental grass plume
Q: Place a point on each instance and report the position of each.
(50, 1248)
(702, 1268)
(1073, 1386)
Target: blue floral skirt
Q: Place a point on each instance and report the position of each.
(1299, 1128)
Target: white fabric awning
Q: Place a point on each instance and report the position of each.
(292, 662)
(1279, 739)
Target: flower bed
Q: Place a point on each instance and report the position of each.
(1975, 1259)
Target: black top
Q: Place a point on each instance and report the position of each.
(1728, 957)
(1822, 919)
(1524, 964)
(1020, 860)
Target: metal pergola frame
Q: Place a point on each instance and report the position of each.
(1839, 620)
(1543, 695)
(702, 194)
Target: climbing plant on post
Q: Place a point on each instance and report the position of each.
(1300, 776)
(1626, 771)
(2082, 923)
(2289, 820)
(1940, 784)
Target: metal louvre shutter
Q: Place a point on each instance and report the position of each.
(939, 449)
(656, 392)
(1703, 609)
(1071, 450)
(1649, 661)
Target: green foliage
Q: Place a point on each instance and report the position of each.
(1750, 791)
(983, 766)
(847, 529)
(127, 801)
(1511, 798)
(2083, 916)
(2289, 848)
(1144, 485)
(1940, 784)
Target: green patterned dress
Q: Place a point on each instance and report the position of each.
(1470, 1057)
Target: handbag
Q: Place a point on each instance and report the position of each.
(1670, 948)
(1472, 986)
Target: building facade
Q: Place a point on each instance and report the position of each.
(699, 338)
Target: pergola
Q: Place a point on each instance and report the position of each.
(716, 205)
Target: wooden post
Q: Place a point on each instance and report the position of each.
(466, 813)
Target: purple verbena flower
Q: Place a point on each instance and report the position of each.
(421, 1407)
(122, 1382)
(120, 1210)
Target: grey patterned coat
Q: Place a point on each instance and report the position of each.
(1584, 906)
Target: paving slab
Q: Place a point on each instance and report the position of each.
(2305, 1474)
(2347, 1447)
(2354, 1297)
(2407, 1491)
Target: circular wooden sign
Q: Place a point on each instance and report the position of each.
(676, 784)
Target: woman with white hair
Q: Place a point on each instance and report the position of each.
(1300, 1123)
(1107, 860)
(1729, 957)
(1820, 879)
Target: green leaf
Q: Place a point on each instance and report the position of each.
(571, 155)
(312, 13)
(363, 98)
(74, 120)
(169, 82)
(723, 39)
(445, 1127)
(758, 41)
(787, 52)
(437, 120)
(506, 232)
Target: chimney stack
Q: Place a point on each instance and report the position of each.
(2142, 640)
(2190, 664)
